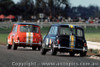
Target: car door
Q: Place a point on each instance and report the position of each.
(64, 36)
(79, 38)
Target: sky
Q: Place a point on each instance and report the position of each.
(85, 3)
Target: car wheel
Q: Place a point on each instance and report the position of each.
(53, 50)
(39, 48)
(72, 53)
(9, 46)
(33, 48)
(14, 46)
(43, 51)
(82, 54)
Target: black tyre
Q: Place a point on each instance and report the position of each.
(43, 51)
(14, 46)
(9, 46)
(53, 50)
(33, 48)
(82, 54)
(39, 48)
(72, 54)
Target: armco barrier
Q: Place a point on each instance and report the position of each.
(9, 24)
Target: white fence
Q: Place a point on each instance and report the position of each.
(9, 24)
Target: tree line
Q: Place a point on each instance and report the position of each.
(84, 12)
(27, 8)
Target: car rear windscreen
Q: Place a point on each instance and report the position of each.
(67, 31)
(29, 28)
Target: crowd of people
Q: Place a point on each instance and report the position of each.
(63, 19)
(56, 19)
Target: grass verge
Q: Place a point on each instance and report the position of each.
(3, 38)
(95, 37)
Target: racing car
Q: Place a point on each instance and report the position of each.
(24, 35)
(65, 38)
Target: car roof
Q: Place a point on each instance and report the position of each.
(64, 25)
(26, 24)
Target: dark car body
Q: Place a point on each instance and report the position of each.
(65, 38)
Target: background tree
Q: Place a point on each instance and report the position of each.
(6, 6)
(26, 8)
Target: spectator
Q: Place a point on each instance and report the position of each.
(87, 22)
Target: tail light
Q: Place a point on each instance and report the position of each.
(17, 38)
(85, 45)
(58, 42)
(50, 41)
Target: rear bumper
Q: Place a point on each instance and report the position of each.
(27, 44)
(84, 49)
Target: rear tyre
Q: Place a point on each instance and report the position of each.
(53, 51)
(82, 54)
(43, 51)
(14, 46)
(33, 48)
(9, 46)
(72, 54)
(39, 48)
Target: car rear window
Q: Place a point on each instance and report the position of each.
(79, 33)
(74, 31)
(66, 31)
(29, 28)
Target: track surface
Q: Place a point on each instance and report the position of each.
(25, 57)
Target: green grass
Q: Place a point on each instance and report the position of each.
(95, 37)
(3, 38)
(91, 33)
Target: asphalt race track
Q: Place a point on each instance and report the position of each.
(25, 57)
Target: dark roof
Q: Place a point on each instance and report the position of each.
(26, 24)
(64, 25)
